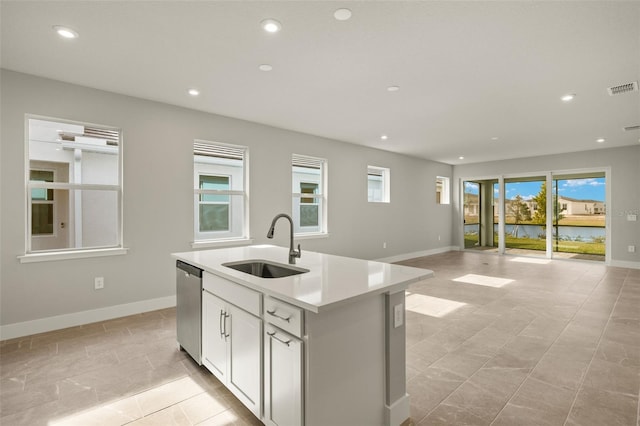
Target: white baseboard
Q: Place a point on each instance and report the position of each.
(625, 264)
(406, 256)
(398, 412)
(58, 322)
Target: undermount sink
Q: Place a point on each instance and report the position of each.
(265, 268)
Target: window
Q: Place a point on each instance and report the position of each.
(74, 186)
(442, 190)
(309, 194)
(378, 184)
(220, 195)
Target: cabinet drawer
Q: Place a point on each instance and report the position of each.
(236, 294)
(281, 314)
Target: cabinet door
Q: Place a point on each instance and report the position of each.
(283, 378)
(214, 335)
(245, 368)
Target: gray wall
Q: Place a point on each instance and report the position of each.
(624, 184)
(158, 194)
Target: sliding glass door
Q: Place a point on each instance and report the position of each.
(471, 214)
(525, 216)
(552, 215)
(579, 216)
(480, 214)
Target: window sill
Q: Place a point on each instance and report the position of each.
(221, 243)
(311, 235)
(67, 255)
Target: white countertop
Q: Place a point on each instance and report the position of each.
(330, 282)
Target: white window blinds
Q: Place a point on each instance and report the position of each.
(208, 149)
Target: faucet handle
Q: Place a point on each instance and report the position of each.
(299, 252)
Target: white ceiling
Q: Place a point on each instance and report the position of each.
(468, 71)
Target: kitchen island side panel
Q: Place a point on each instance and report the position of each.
(345, 365)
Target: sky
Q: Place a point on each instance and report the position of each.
(580, 189)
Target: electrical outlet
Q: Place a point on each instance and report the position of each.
(397, 315)
(439, 238)
(632, 249)
(632, 217)
(98, 283)
(384, 245)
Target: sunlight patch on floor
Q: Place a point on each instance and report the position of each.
(535, 260)
(483, 280)
(431, 306)
(148, 406)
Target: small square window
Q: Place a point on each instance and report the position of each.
(309, 194)
(378, 184)
(442, 190)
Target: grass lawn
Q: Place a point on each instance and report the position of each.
(540, 244)
(582, 221)
(576, 220)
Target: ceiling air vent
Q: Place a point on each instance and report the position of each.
(623, 88)
(630, 128)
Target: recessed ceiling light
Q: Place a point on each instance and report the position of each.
(393, 88)
(495, 138)
(194, 92)
(271, 25)
(265, 67)
(461, 158)
(65, 32)
(568, 97)
(384, 137)
(600, 140)
(342, 14)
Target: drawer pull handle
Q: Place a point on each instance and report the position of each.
(273, 314)
(278, 339)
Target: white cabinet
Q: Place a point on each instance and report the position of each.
(214, 339)
(244, 367)
(232, 345)
(283, 374)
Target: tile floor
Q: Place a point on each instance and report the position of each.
(497, 340)
(506, 340)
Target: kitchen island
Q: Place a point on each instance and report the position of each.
(325, 346)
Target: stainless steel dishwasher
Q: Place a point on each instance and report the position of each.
(189, 309)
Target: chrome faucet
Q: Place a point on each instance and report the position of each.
(292, 253)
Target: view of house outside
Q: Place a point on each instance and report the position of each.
(579, 214)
